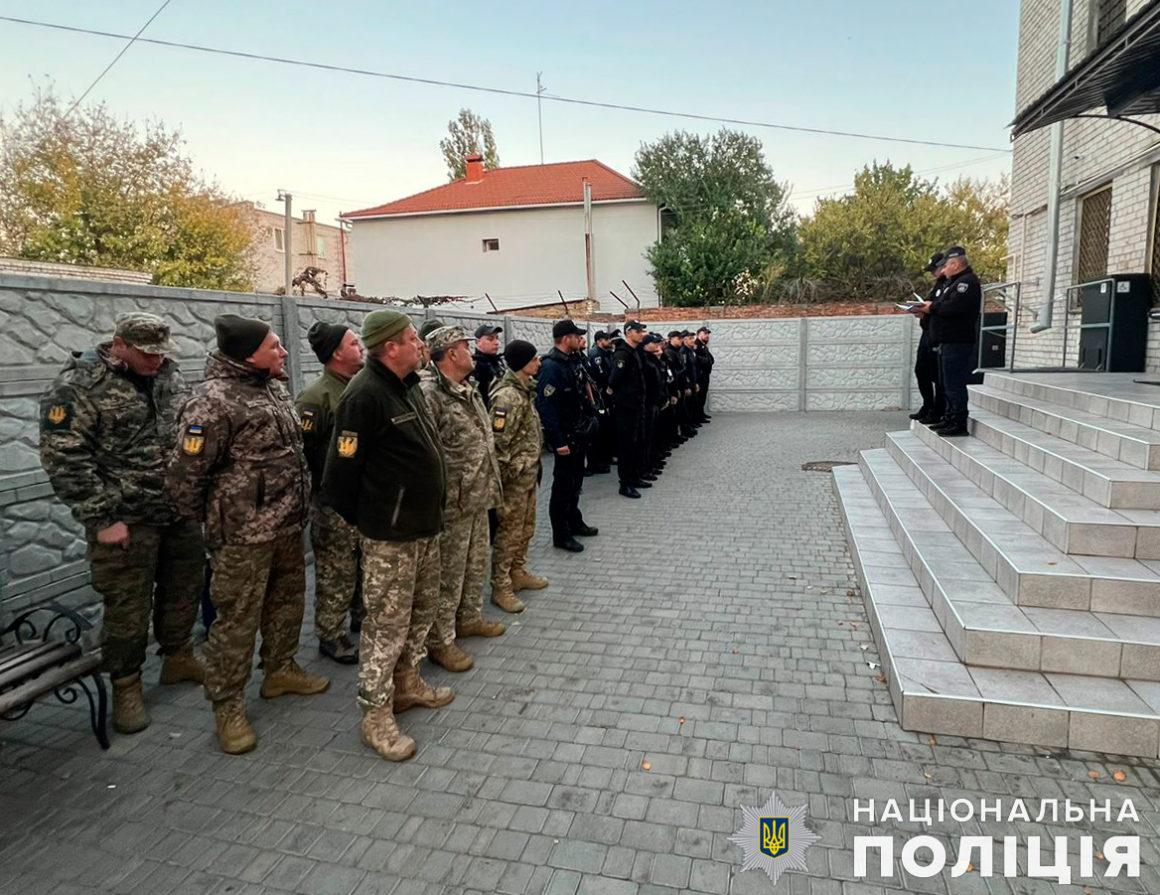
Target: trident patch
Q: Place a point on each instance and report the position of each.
(774, 836)
(57, 416)
(347, 444)
(193, 441)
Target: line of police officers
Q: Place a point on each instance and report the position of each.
(395, 460)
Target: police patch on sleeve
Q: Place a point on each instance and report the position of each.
(498, 418)
(549, 390)
(962, 287)
(58, 416)
(620, 364)
(306, 418)
(193, 440)
(347, 444)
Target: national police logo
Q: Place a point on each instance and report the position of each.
(347, 444)
(549, 390)
(56, 416)
(774, 838)
(193, 441)
(307, 417)
(962, 287)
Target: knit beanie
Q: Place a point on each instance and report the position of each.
(239, 337)
(324, 339)
(378, 326)
(429, 326)
(518, 354)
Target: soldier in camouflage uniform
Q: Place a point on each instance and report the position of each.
(473, 488)
(335, 541)
(385, 474)
(106, 431)
(515, 425)
(239, 469)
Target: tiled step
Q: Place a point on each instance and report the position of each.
(1073, 523)
(983, 624)
(1134, 445)
(1029, 569)
(1117, 396)
(935, 692)
(1108, 482)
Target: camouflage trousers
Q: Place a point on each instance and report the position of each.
(463, 565)
(400, 592)
(517, 524)
(336, 553)
(158, 574)
(255, 587)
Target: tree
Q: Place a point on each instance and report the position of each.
(88, 188)
(881, 235)
(724, 214)
(469, 134)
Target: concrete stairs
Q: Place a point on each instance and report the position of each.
(1012, 579)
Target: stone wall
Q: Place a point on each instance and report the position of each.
(795, 364)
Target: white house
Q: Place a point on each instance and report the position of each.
(517, 234)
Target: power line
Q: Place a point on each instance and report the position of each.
(322, 66)
(116, 58)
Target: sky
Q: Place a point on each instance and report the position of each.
(921, 69)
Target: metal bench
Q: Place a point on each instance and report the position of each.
(36, 660)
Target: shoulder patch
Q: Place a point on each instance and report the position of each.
(498, 418)
(58, 416)
(306, 418)
(620, 363)
(193, 440)
(549, 390)
(347, 444)
(962, 287)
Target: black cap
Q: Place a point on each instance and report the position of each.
(429, 326)
(936, 261)
(613, 333)
(706, 330)
(324, 339)
(650, 338)
(955, 252)
(239, 337)
(685, 333)
(518, 354)
(487, 329)
(565, 327)
(635, 326)
(599, 334)
(676, 333)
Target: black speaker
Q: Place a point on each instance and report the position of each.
(1124, 301)
(994, 353)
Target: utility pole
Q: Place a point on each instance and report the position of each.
(540, 90)
(287, 238)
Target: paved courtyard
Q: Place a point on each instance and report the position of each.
(707, 648)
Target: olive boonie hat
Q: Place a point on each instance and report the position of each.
(145, 332)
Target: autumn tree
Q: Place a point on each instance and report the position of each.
(468, 134)
(89, 188)
(724, 214)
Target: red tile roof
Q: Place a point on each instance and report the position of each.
(553, 184)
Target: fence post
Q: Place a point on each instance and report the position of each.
(908, 321)
(292, 342)
(803, 362)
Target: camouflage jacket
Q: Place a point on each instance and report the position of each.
(106, 436)
(460, 417)
(515, 424)
(239, 465)
(315, 405)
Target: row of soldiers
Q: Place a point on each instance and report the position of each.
(394, 459)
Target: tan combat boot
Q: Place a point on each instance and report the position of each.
(183, 665)
(450, 657)
(522, 579)
(129, 715)
(381, 733)
(235, 735)
(479, 627)
(411, 690)
(291, 678)
(506, 600)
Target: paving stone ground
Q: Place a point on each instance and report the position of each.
(711, 632)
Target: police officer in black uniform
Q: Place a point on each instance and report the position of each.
(705, 361)
(489, 365)
(926, 358)
(656, 397)
(628, 399)
(954, 326)
(589, 376)
(568, 423)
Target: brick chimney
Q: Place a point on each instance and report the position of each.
(474, 168)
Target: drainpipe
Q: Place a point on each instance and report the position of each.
(1055, 175)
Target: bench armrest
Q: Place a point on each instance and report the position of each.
(25, 629)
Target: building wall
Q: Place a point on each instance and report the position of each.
(541, 250)
(861, 363)
(1095, 153)
(270, 262)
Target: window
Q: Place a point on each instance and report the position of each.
(491, 245)
(1095, 223)
(1106, 18)
(279, 239)
(320, 246)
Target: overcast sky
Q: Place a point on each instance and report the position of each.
(921, 69)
